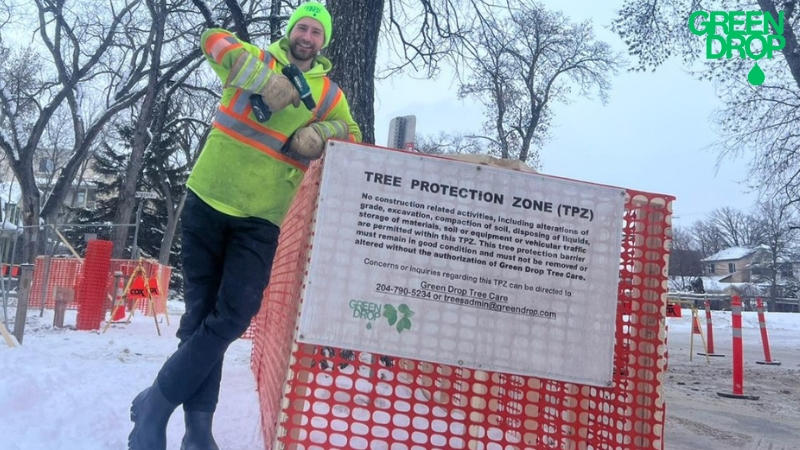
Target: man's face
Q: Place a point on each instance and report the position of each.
(306, 39)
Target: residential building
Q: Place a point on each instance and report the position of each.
(733, 264)
(751, 265)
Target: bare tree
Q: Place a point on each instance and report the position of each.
(354, 59)
(684, 260)
(780, 239)
(708, 238)
(151, 49)
(173, 46)
(196, 106)
(736, 229)
(419, 34)
(758, 121)
(444, 142)
(522, 60)
(54, 152)
(77, 39)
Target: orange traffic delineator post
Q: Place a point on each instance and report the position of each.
(762, 323)
(119, 314)
(709, 333)
(118, 310)
(738, 358)
(696, 330)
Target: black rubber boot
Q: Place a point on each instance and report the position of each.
(198, 431)
(150, 413)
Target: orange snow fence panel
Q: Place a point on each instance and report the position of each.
(321, 398)
(61, 273)
(94, 285)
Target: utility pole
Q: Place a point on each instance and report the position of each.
(142, 196)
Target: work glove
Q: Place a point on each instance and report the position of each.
(275, 89)
(279, 92)
(309, 141)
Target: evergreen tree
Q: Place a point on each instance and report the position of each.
(163, 168)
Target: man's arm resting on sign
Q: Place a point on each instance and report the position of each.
(309, 141)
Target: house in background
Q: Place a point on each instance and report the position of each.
(733, 264)
(736, 266)
(745, 272)
(82, 193)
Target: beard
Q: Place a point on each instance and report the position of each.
(300, 53)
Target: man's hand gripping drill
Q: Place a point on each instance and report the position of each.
(260, 108)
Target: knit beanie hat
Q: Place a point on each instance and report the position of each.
(315, 11)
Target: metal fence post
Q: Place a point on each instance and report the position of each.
(24, 291)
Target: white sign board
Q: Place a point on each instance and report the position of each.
(464, 264)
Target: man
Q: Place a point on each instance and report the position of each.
(239, 192)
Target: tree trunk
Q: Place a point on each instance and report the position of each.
(30, 211)
(791, 51)
(772, 303)
(141, 137)
(275, 29)
(353, 51)
(174, 215)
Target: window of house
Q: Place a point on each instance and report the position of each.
(731, 267)
(80, 199)
(12, 213)
(46, 165)
(711, 269)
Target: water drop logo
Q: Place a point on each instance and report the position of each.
(756, 75)
(751, 34)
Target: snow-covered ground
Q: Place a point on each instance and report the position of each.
(65, 389)
(71, 390)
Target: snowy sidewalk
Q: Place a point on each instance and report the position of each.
(71, 390)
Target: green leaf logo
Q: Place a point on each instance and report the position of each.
(403, 324)
(391, 314)
(405, 310)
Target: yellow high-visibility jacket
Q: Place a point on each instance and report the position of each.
(241, 170)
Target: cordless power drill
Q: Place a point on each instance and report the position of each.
(260, 109)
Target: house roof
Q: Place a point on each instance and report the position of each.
(716, 284)
(730, 254)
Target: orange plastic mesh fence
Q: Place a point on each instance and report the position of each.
(321, 398)
(92, 293)
(273, 328)
(62, 276)
(64, 279)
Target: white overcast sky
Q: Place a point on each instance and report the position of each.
(652, 135)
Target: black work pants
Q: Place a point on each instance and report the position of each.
(226, 265)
